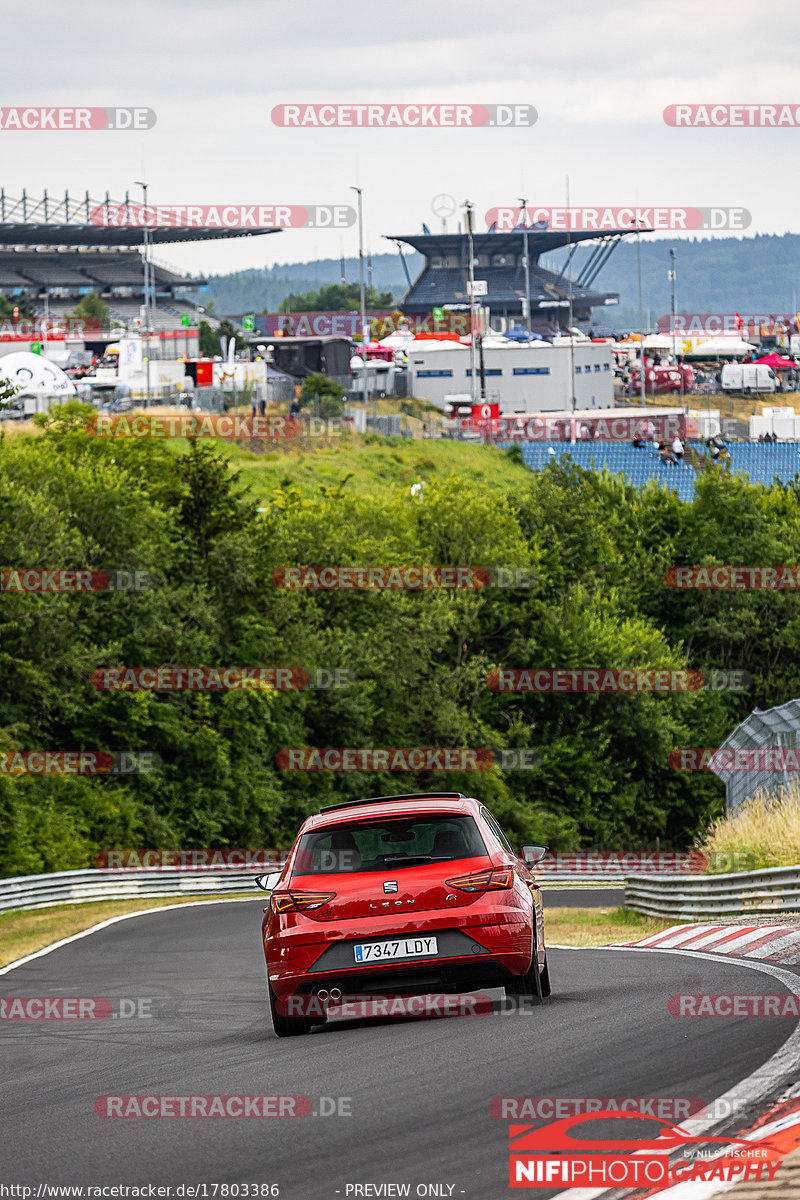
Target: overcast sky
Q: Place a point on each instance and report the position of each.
(599, 75)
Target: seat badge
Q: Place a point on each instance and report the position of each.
(390, 885)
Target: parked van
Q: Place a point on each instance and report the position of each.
(748, 377)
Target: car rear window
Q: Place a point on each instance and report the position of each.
(387, 845)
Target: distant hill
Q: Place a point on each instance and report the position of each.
(252, 291)
(736, 274)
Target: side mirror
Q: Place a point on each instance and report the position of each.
(531, 855)
(267, 882)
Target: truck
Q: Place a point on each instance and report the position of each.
(663, 379)
(748, 377)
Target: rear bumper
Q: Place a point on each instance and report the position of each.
(481, 953)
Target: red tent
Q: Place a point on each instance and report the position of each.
(776, 362)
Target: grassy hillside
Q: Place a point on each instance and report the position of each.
(375, 466)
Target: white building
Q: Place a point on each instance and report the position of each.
(524, 377)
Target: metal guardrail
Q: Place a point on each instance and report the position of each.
(774, 889)
(78, 887)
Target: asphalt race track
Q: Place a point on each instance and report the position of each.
(420, 1088)
(582, 897)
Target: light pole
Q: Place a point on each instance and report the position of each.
(672, 276)
(146, 259)
(473, 378)
(570, 318)
(358, 191)
(526, 303)
(643, 386)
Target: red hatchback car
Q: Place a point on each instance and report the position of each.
(400, 895)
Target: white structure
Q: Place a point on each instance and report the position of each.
(36, 378)
(783, 422)
(524, 377)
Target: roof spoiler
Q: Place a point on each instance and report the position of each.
(405, 796)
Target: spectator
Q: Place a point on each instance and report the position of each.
(677, 448)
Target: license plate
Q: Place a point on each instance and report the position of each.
(421, 947)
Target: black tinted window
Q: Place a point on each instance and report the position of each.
(387, 845)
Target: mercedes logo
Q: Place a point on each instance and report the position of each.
(443, 205)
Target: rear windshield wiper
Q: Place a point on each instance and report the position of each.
(414, 858)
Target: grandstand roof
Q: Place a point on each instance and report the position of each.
(446, 284)
(540, 241)
(51, 221)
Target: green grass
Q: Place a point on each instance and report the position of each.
(377, 466)
(597, 926)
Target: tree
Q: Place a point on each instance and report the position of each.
(330, 393)
(8, 391)
(337, 297)
(25, 305)
(93, 310)
(208, 340)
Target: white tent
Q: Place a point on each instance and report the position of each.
(720, 346)
(396, 340)
(34, 375)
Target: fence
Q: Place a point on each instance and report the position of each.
(776, 889)
(78, 887)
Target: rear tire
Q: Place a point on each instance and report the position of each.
(545, 978)
(527, 986)
(286, 1026)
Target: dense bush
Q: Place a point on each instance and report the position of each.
(595, 551)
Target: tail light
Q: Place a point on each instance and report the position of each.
(299, 901)
(484, 881)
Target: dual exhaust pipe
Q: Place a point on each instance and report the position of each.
(332, 997)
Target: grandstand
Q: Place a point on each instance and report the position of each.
(762, 463)
(52, 250)
(499, 261)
